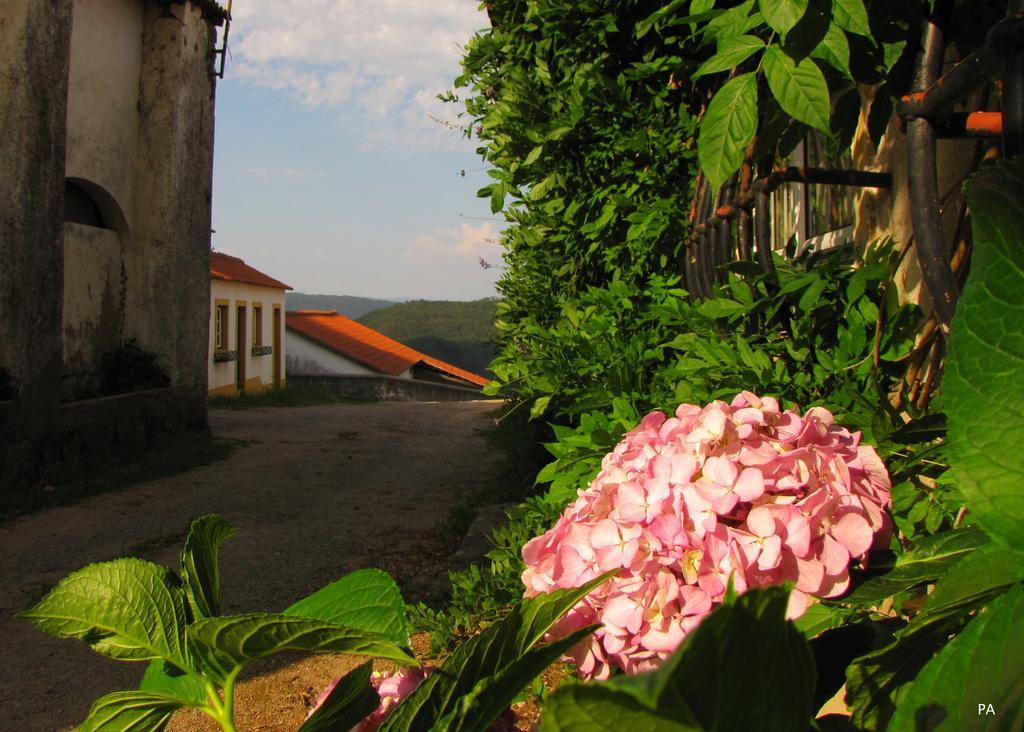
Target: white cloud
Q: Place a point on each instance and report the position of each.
(383, 60)
(466, 242)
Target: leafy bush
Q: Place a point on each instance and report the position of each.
(129, 367)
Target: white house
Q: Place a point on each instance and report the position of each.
(325, 343)
(247, 346)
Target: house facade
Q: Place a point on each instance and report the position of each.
(327, 347)
(106, 150)
(247, 343)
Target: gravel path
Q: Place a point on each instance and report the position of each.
(315, 491)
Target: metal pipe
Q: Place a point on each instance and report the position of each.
(923, 186)
(763, 232)
(1013, 95)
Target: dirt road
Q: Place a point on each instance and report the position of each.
(315, 491)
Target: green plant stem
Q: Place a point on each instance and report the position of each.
(228, 723)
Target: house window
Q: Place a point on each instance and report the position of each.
(221, 326)
(257, 326)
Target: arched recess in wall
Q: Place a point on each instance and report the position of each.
(96, 241)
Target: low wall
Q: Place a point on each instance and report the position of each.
(122, 427)
(387, 388)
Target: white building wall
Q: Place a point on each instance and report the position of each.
(259, 370)
(308, 358)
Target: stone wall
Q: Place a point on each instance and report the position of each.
(173, 193)
(34, 53)
(114, 98)
(387, 389)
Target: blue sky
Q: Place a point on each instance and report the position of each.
(329, 172)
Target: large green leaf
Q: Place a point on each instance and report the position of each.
(492, 695)
(351, 700)
(747, 644)
(579, 708)
(876, 681)
(731, 53)
(482, 656)
(199, 564)
(782, 15)
(852, 16)
(126, 609)
(983, 390)
(226, 644)
(834, 49)
(981, 574)
(367, 599)
(162, 677)
(728, 127)
(928, 561)
(819, 618)
(983, 665)
(799, 88)
(137, 711)
(733, 22)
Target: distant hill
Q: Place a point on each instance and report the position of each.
(461, 333)
(353, 307)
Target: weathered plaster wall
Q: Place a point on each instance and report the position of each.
(259, 370)
(103, 96)
(92, 304)
(309, 358)
(172, 193)
(34, 51)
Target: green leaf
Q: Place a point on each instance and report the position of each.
(367, 599)
(800, 89)
(162, 677)
(929, 560)
(733, 22)
(579, 708)
(782, 15)
(351, 700)
(748, 645)
(137, 711)
(982, 665)
(851, 15)
(731, 53)
(126, 609)
(834, 50)
(982, 384)
(484, 655)
(199, 566)
(497, 197)
(976, 577)
(819, 618)
(534, 155)
(540, 405)
(721, 307)
(728, 127)
(492, 695)
(226, 644)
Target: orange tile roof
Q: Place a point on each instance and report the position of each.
(366, 346)
(233, 269)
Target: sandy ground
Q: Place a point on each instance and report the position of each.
(315, 491)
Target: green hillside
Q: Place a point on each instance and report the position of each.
(461, 333)
(353, 307)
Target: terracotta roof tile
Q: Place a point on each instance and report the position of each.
(233, 269)
(367, 346)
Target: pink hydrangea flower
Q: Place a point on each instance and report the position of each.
(744, 493)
